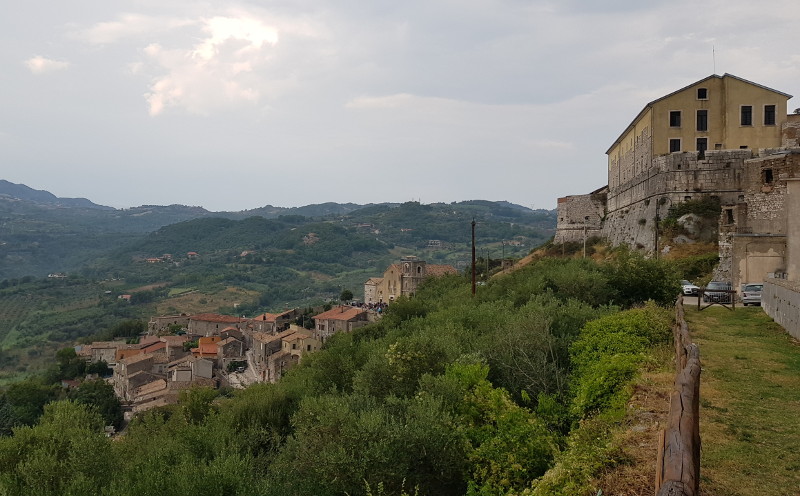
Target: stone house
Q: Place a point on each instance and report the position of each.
(211, 324)
(338, 319)
(133, 372)
(105, 351)
(158, 325)
(300, 342)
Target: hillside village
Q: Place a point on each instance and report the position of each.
(214, 350)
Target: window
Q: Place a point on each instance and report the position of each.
(769, 115)
(674, 145)
(702, 146)
(747, 115)
(675, 118)
(702, 120)
(767, 176)
(702, 93)
(729, 215)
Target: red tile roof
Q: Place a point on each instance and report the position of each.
(440, 270)
(341, 313)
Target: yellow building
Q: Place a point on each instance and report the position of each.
(716, 113)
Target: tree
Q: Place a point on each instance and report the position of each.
(346, 295)
(99, 395)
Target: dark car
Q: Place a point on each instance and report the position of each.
(717, 292)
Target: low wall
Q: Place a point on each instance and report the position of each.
(781, 301)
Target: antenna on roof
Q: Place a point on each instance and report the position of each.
(714, 57)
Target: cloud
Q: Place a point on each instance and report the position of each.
(130, 26)
(218, 72)
(41, 65)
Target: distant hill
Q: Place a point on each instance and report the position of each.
(21, 192)
(41, 233)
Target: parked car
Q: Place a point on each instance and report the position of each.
(689, 289)
(751, 294)
(716, 291)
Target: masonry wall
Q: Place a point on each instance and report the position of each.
(781, 301)
(673, 179)
(765, 192)
(572, 217)
(790, 131)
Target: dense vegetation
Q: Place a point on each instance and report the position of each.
(510, 391)
(269, 263)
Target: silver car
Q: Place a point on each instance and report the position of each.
(751, 294)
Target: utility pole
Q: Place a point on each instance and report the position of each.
(473, 256)
(585, 221)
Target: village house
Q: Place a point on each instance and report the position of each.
(228, 350)
(274, 322)
(206, 347)
(210, 324)
(157, 325)
(135, 371)
(264, 345)
(338, 319)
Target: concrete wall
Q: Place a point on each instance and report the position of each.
(781, 301)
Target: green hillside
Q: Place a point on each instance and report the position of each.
(515, 390)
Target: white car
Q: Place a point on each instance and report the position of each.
(689, 289)
(751, 294)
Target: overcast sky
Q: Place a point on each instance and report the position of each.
(235, 105)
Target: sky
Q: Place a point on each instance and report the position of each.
(236, 105)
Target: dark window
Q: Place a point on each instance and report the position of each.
(674, 145)
(767, 176)
(675, 118)
(729, 215)
(702, 120)
(702, 146)
(702, 93)
(769, 115)
(747, 115)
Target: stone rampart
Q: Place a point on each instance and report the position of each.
(578, 212)
(781, 301)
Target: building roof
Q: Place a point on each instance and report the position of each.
(141, 357)
(175, 340)
(297, 335)
(266, 337)
(228, 341)
(273, 317)
(158, 345)
(440, 270)
(713, 76)
(206, 349)
(215, 317)
(374, 280)
(341, 312)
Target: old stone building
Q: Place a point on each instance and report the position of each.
(720, 137)
(402, 279)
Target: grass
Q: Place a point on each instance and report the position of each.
(750, 402)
